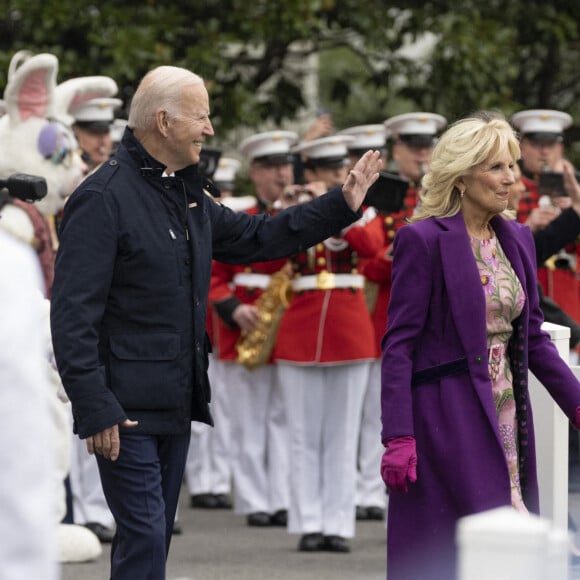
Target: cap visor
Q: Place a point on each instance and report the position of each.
(417, 140)
(543, 136)
(274, 159)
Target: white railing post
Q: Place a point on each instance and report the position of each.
(503, 544)
(551, 437)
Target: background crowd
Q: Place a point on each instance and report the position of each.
(297, 437)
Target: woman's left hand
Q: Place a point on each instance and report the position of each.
(399, 463)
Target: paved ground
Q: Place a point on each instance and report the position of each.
(217, 545)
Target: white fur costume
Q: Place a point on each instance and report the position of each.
(36, 138)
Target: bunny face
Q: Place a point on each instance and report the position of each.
(35, 132)
(45, 148)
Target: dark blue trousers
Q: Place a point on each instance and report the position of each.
(142, 489)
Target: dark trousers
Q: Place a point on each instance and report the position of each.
(142, 489)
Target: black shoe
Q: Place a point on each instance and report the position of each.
(311, 543)
(177, 529)
(222, 501)
(280, 518)
(361, 513)
(104, 534)
(375, 513)
(203, 500)
(258, 519)
(336, 544)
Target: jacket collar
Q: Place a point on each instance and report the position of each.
(148, 164)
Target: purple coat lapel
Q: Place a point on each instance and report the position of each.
(511, 246)
(466, 299)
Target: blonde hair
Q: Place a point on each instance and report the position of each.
(465, 144)
(160, 88)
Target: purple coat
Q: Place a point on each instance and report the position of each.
(436, 341)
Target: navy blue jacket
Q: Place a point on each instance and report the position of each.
(131, 281)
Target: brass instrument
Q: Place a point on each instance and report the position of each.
(371, 293)
(254, 347)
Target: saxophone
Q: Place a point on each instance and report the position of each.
(254, 347)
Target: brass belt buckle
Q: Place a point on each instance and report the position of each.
(325, 281)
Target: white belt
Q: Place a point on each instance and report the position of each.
(249, 279)
(328, 281)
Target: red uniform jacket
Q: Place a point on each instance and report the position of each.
(331, 326)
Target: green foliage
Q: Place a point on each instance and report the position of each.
(489, 54)
(476, 66)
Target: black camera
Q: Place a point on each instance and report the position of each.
(387, 193)
(208, 161)
(25, 187)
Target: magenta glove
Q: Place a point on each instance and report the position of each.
(399, 463)
(577, 418)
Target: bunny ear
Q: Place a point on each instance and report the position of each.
(30, 88)
(17, 60)
(74, 92)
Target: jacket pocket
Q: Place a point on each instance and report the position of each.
(144, 371)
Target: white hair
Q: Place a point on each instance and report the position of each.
(159, 89)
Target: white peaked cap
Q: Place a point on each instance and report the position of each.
(226, 170)
(366, 136)
(269, 146)
(541, 121)
(97, 110)
(332, 147)
(415, 124)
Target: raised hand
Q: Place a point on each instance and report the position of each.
(361, 177)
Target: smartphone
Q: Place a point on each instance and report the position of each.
(551, 183)
(387, 193)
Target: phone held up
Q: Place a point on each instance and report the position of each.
(551, 183)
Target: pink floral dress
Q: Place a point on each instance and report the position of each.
(505, 298)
